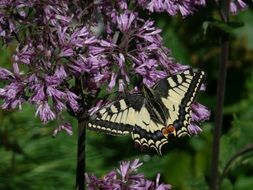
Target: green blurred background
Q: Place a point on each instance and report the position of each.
(31, 159)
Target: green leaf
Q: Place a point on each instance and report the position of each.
(226, 185)
(244, 183)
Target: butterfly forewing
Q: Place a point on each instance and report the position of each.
(119, 117)
(177, 94)
(133, 114)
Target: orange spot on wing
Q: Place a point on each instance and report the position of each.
(168, 130)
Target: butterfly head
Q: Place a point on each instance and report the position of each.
(169, 130)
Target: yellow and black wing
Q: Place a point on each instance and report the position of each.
(150, 116)
(119, 117)
(132, 114)
(177, 93)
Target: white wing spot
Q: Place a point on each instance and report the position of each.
(150, 141)
(114, 109)
(131, 119)
(189, 77)
(136, 136)
(144, 141)
(123, 105)
(144, 115)
(114, 131)
(179, 79)
(124, 117)
(102, 111)
(118, 118)
(188, 81)
(171, 82)
(104, 116)
(113, 117)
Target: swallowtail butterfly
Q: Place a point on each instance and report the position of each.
(152, 116)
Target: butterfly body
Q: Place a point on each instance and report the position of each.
(153, 115)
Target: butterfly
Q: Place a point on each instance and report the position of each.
(154, 114)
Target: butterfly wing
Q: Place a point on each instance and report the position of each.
(119, 117)
(149, 125)
(133, 114)
(177, 93)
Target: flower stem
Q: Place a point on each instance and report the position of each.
(82, 122)
(219, 118)
(214, 178)
(80, 167)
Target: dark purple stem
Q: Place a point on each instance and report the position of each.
(82, 122)
(80, 167)
(219, 118)
(214, 178)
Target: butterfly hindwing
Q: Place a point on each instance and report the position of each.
(149, 132)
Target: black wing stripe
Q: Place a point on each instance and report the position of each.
(189, 97)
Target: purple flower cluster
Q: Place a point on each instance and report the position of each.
(172, 7)
(184, 7)
(237, 5)
(102, 44)
(125, 178)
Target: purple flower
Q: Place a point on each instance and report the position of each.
(66, 127)
(6, 74)
(126, 178)
(121, 85)
(45, 112)
(12, 95)
(72, 100)
(199, 112)
(126, 168)
(172, 7)
(97, 106)
(52, 91)
(125, 20)
(112, 81)
(194, 129)
(60, 72)
(39, 95)
(236, 5)
(59, 104)
(25, 55)
(66, 52)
